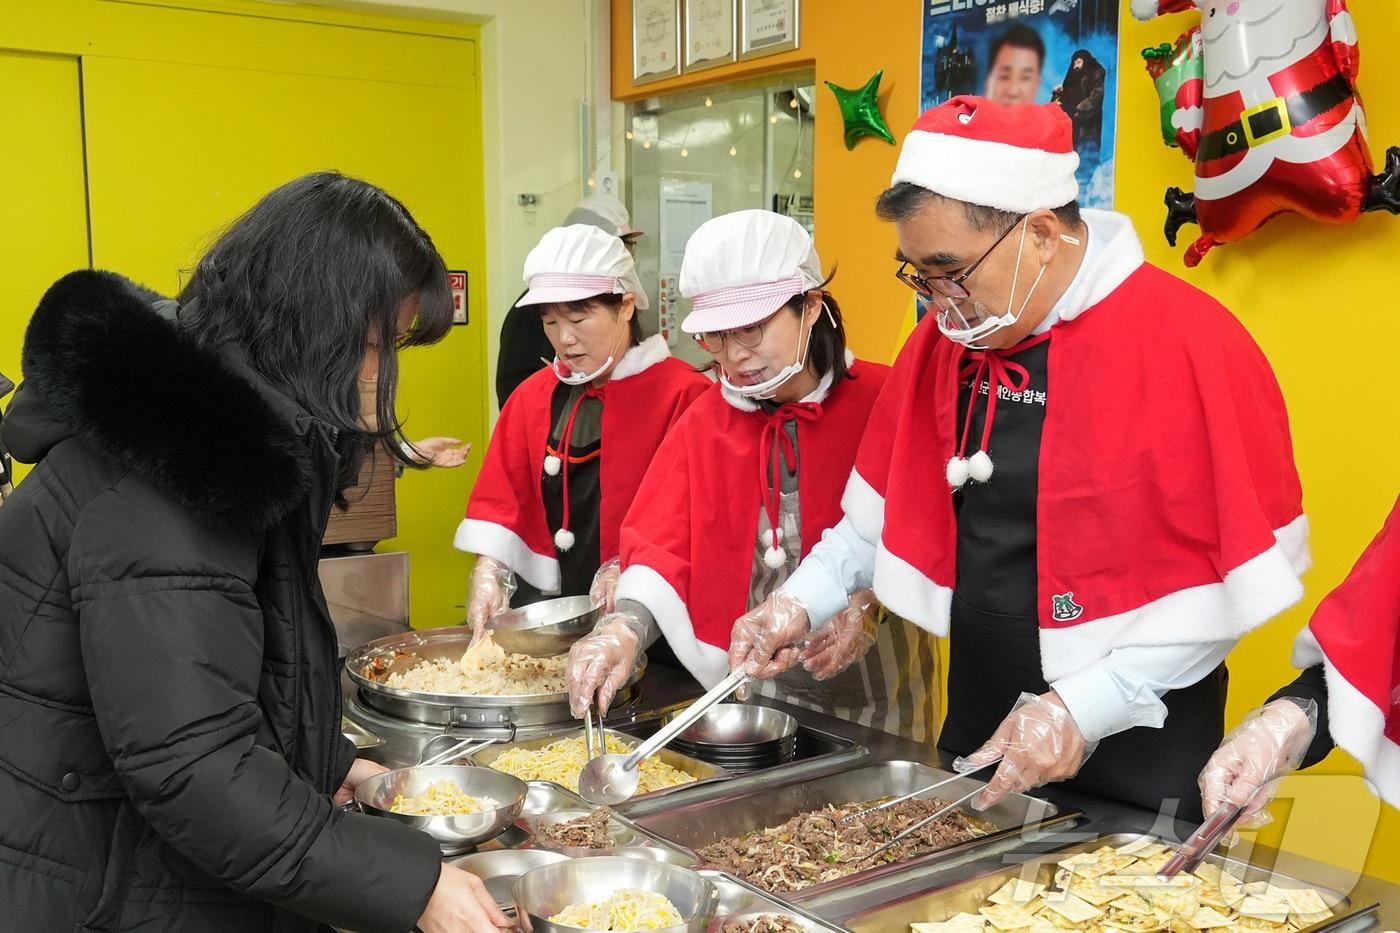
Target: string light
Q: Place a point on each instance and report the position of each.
(793, 103)
(685, 153)
(773, 118)
(646, 144)
(796, 173)
(709, 102)
(733, 150)
(631, 135)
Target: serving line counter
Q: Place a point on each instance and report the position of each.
(838, 759)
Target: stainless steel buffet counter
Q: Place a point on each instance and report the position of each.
(852, 747)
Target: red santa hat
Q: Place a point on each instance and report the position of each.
(1012, 157)
(1146, 9)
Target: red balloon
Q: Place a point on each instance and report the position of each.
(1275, 124)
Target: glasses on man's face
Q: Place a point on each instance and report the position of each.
(746, 337)
(948, 286)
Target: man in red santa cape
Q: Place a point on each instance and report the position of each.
(1079, 471)
(575, 439)
(747, 483)
(1347, 694)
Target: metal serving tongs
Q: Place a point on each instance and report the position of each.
(611, 779)
(1203, 841)
(463, 748)
(911, 830)
(594, 743)
(861, 814)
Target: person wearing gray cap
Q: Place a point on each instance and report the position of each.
(523, 343)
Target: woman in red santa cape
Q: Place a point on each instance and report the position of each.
(1347, 694)
(746, 485)
(575, 439)
(1079, 471)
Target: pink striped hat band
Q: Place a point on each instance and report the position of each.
(741, 305)
(557, 287)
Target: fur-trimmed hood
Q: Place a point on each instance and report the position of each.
(102, 363)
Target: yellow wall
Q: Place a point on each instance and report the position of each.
(188, 116)
(1318, 299)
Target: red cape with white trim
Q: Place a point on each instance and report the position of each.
(506, 516)
(688, 543)
(1170, 509)
(1355, 633)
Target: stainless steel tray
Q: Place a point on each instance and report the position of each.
(452, 709)
(702, 771)
(967, 896)
(547, 803)
(818, 752)
(693, 825)
(739, 900)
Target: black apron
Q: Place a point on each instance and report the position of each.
(994, 641)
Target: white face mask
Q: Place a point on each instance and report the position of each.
(769, 387)
(971, 330)
(571, 378)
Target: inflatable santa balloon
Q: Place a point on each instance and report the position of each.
(1269, 113)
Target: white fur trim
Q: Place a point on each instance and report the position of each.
(998, 175)
(499, 542)
(907, 593)
(1145, 9)
(1117, 256)
(1357, 725)
(1249, 596)
(642, 357)
(864, 507)
(706, 663)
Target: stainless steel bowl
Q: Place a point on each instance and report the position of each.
(499, 869)
(731, 725)
(454, 834)
(543, 892)
(545, 629)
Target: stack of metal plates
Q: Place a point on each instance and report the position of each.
(740, 738)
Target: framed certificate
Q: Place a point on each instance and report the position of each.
(709, 33)
(766, 27)
(656, 39)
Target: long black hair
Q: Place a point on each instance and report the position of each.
(827, 350)
(305, 283)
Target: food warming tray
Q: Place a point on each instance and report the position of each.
(702, 771)
(967, 896)
(452, 709)
(693, 825)
(739, 900)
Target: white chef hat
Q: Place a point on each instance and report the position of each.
(605, 212)
(577, 262)
(740, 268)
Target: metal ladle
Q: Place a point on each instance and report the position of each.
(610, 779)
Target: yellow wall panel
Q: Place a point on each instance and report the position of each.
(43, 200)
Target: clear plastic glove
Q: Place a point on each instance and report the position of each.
(845, 639)
(492, 587)
(601, 662)
(445, 452)
(1038, 743)
(1270, 743)
(764, 641)
(461, 904)
(603, 591)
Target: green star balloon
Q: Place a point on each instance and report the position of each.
(860, 110)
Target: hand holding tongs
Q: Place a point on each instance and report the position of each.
(1203, 841)
(861, 814)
